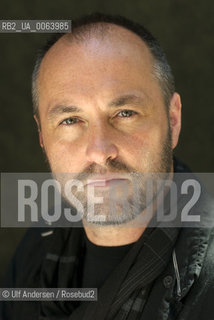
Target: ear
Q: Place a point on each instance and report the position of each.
(39, 131)
(175, 118)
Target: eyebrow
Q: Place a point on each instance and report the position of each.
(125, 100)
(118, 102)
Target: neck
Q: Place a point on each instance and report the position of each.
(112, 235)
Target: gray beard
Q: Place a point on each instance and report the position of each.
(125, 202)
(129, 205)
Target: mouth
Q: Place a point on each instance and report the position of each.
(101, 183)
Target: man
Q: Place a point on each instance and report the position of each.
(108, 115)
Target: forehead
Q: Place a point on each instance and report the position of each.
(101, 62)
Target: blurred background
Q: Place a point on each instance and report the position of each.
(185, 30)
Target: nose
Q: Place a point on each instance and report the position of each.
(100, 145)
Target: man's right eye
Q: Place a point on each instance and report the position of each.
(69, 121)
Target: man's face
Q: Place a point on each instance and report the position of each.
(102, 112)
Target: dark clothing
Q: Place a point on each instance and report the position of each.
(168, 274)
(58, 266)
(99, 262)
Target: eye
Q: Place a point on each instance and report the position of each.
(69, 121)
(126, 113)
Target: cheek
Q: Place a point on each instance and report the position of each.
(65, 156)
(144, 145)
(145, 139)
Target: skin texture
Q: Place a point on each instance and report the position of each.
(93, 75)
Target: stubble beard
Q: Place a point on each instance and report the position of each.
(118, 207)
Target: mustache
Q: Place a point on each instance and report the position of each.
(111, 166)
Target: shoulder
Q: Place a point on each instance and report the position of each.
(207, 272)
(27, 258)
(203, 291)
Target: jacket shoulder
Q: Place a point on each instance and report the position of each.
(27, 258)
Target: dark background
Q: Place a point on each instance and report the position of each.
(185, 29)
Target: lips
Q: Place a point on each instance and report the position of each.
(101, 182)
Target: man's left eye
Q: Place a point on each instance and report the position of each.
(70, 121)
(126, 113)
